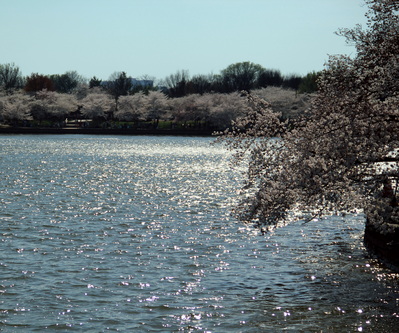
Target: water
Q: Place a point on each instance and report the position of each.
(134, 234)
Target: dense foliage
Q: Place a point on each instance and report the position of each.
(339, 156)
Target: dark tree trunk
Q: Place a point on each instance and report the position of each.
(384, 246)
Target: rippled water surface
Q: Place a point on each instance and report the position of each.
(134, 234)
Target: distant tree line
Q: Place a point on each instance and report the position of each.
(211, 101)
(242, 76)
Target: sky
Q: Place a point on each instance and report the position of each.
(157, 38)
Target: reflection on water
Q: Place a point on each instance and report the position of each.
(134, 234)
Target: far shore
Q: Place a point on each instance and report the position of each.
(106, 131)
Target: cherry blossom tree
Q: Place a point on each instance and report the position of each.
(15, 108)
(342, 154)
(97, 105)
(131, 107)
(156, 106)
(216, 110)
(190, 107)
(285, 101)
(225, 108)
(51, 105)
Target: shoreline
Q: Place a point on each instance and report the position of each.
(106, 131)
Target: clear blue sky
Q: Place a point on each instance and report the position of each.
(159, 37)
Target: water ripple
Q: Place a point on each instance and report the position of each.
(135, 234)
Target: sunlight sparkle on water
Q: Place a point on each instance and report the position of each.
(135, 234)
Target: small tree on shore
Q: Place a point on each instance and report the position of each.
(67, 82)
(37, 82)
(331, 160)
(10, 77)
(95, 82)
(177, 83)
(118, 85)
(242, 76)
